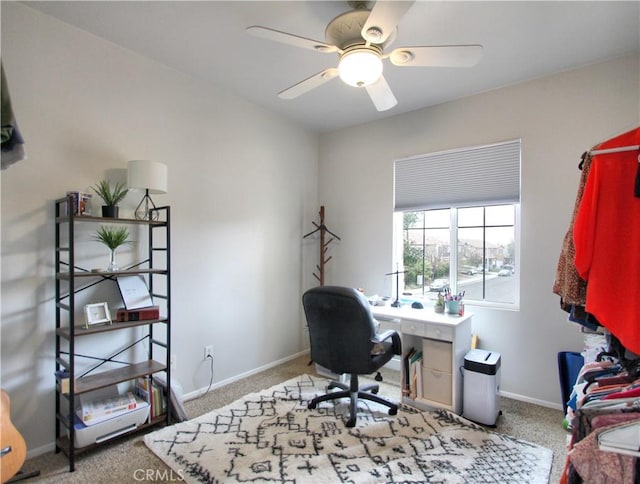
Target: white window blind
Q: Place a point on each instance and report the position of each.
(483, 174)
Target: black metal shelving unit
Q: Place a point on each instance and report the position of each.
(70, 279)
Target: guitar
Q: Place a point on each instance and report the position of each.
(13, 449)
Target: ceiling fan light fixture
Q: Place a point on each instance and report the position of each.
(360, 67)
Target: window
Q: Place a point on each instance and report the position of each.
(470, 250)
(461, 236)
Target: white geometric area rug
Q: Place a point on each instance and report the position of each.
(271, 437)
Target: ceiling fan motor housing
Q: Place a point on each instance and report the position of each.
(345, 30)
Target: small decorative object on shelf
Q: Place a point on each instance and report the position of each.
(80, 205)
(112, 237)
(97, 313)
(134, 292)
(111, 197)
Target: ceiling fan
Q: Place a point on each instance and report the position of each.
(360, 37)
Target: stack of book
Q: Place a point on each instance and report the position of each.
(143, 314)
(413, 374)
(104, 406)
(152, 393)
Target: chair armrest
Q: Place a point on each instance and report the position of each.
(395, 340)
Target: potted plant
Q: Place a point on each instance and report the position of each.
(112, 237)
(111, 197)
(439, 306)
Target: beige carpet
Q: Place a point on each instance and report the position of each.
(127, 460)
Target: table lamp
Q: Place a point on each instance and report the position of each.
(150, 176)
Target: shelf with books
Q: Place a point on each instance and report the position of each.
(108, 378)
(153, 328)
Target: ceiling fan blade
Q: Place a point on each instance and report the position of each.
(381, 95)
(383, 20)
(437, 56)
(285, 38)
(308, 84)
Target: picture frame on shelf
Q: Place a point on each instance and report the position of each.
(134, 291)
(97, 313)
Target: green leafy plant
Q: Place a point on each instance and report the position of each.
(111, 195)
(112, 237)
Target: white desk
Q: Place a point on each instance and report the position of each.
(444, 340)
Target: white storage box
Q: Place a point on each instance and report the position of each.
(121, 424)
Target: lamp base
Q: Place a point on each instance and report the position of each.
(146, 209)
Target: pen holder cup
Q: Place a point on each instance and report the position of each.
(452, 306)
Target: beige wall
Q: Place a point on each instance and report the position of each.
(242, 187)
(558, 118)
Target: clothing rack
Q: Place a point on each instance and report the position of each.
(616, 150)
(322, 228)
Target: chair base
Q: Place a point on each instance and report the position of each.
(354, 392)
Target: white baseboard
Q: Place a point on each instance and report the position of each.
(45, 449)
(535, 401)
(202, 391)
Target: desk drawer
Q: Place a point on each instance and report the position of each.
(436, 355)
(436, 386)
(437, 331)
(413, 327)
(386, 324)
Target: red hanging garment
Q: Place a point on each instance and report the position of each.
(607, 240)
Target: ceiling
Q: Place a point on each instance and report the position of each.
(207, 40)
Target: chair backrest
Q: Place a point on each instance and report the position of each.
(341, 328)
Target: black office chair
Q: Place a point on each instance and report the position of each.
(342, 334)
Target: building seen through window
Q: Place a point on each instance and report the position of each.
(470, 250)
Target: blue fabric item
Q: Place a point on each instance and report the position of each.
(569, 365)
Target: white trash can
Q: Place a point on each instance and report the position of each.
(481, 386)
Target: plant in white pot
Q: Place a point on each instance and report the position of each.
(112, 237)
(111, 196)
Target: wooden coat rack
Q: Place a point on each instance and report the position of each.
(324, 244)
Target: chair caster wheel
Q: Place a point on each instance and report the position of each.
(378, 377)
(393, 411)
(375, 391)
(351, 422)
(311, 405)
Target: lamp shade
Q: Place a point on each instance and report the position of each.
(147, 175)
(360, 67)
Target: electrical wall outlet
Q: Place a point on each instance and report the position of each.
(172, 362)
(208, 352)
